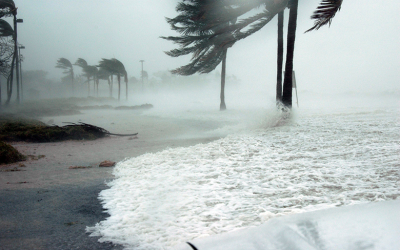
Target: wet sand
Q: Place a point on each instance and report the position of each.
(47, 205)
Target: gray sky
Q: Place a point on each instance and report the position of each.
(359, 51)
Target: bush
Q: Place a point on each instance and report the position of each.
(8, 154)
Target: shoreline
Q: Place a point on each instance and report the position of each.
(46, 205)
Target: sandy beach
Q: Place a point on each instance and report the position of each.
(48, 205)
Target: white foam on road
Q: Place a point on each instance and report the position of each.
(317, 160)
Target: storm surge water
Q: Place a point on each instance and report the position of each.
(274, 167)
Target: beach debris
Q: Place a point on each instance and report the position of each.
(79, 167)
(132, 138)
(34, 157)
(71, 223)
(15, 169)
(107, 164)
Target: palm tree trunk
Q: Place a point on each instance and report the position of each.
(16, 57)
(222, 106)
(88, 85)
(280, 59)
(288, 83)
(126, 84)
(109, 86)
(112, 85)
(72, 81)
(119, 86)
(10, 80)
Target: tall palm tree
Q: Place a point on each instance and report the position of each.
(89, 71)
(198, 38)
(104, 74)
(8, 8)
(6, 53)
(115, 67)
(66, 65)
(214, 18)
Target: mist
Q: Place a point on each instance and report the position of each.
(356, 54)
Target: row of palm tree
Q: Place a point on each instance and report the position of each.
(8, 9)
(105, 70)
(208, 28)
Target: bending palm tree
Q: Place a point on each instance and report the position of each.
(7, 55)
(198, 37)
(65, 64)
(88, 70)
(7, 8)
(115, 67)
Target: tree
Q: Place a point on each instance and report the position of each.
(7, 8)
(115, 67)
(89, 71)
(104, 74)
(248, 26)
(208, 51)
(6, 50)
(63, 63)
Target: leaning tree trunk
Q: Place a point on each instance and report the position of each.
(16, 57)
(88, 85)
(109, 86)
(280, 59)
(72, 81)
(222, 106)
(119, 86)
(10, 80)
(288, 82)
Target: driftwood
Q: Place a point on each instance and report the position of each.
(94, 128)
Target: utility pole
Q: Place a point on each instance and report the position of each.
(142, 61)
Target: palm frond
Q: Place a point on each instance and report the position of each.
(81, 63)
(6, 29)
(63, 63)
(7, 8)
(325, 12)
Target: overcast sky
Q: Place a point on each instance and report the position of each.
(359, 51)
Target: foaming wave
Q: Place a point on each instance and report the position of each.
(282, 166)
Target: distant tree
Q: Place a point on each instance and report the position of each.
(66, 65)
(200, 41)
(115, 67)
(89, 71)
(104, 74)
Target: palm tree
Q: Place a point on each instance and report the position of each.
(211, 15)
(89, 71)
(115, 67)
(198, 38)
(6, 53)
(63, 63)
(104, 74)
(7, 8)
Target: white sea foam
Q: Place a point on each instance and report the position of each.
(315, 161)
